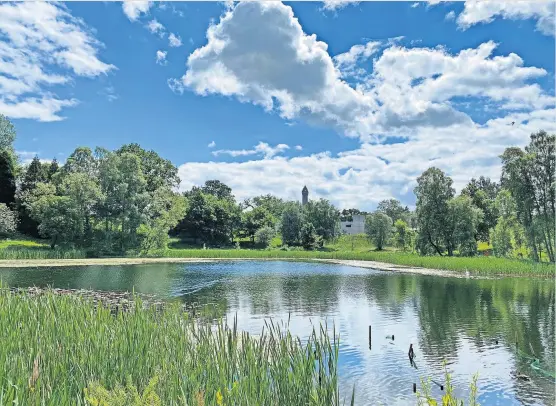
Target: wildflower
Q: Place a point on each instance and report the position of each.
(219, 398)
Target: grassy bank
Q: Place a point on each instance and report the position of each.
(344, 248)
(479, 265)
(53, 347)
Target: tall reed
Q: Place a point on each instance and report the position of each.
(53, 347)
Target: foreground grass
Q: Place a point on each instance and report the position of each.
(478, 265)
(54, 347)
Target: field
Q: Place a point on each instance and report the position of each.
(56, 346)
(344, 248)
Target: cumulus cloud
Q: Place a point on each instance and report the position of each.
(338, 4)
(262, 148)
(364, 176)
(356, 54)
(298, 147)
(133, 9)
(258, 53)
(156, 28)
(174, 40)
(161, 57)
(36, 37)
(480, 11)
(450, 16)
(212, 144)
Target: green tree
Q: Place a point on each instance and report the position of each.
(529, 176)
(462, 223)
(324, 217)
(82, 160)
(434, 191)
(7, 177)
(378, 227)
(163, 213)
(8, 220)
(217, 189)
(507, 236)
(125, 198)
(272, 204)
(310, 240)
(541, 163)
(483, 195)
(55, 215)
(7, 133)
(255, 219)
(402, 235)
(157, 171)
(52, 169)
(393, 209)
(34, 174)
(264, 236)
(291, 223)
(347, 214)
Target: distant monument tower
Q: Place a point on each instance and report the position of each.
(304, 196)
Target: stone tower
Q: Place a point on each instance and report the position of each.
(304, 196)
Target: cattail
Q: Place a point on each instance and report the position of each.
(35, 375)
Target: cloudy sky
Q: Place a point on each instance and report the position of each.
(354, 100)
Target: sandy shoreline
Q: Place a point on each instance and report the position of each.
(380, 266)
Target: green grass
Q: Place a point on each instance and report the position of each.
(480, 265)
(339, 249)
(53, 347)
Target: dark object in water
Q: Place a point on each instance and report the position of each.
(414, 387)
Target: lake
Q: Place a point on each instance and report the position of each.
(471, 324)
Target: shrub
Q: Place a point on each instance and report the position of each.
(97, 395)
(8, 220)
(264, 236)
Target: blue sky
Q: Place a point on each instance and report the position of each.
(353, 99)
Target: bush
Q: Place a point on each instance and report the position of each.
(264, 236)
(8, 220)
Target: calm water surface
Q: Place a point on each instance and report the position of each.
(457, 320)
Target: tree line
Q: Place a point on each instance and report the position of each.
(126, 200)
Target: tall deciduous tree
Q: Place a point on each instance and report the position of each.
(34, 174)
(393, 209)
(378, 227)
(291, 223)
(529, 176)
(324, 217)
(7, 133)
(483, 193)
(434, 190)
(463, 219)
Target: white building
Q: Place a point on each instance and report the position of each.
(356, 226)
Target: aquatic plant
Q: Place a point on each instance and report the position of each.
(55, 346)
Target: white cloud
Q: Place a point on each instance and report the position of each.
(416, 4)
(133, 9)
(298, 147)
(38, 36)
(481, 11)
(212, 144)
(338, 4)
(262, 148)
(356, 54)
(25, 157)
(161, 57)
(450, 16)
(362, 177)
(174, 40)
(156, 28)
(258, 53)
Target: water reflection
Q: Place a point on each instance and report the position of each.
(456, 320)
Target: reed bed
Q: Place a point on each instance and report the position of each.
(479, 265)
(54, 347)
(40, 253)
